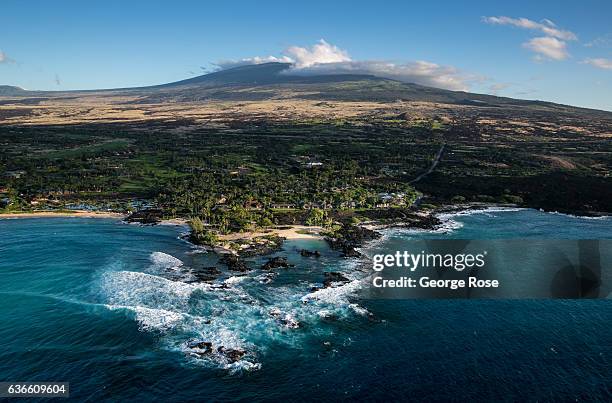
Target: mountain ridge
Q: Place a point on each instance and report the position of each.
(257, 82)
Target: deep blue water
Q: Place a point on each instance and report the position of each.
(109, 308)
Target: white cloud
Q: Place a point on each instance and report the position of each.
(228, 64)
(599, 63)
(325, 58)
(547, 47)
(552, 46)
(546, 26)
(320, 53)
(418, 72)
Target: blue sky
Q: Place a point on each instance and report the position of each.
(81, 45)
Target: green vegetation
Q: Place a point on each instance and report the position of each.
(316, 217)
(234, 180)
(252, 175)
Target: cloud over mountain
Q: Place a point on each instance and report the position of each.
(301, 57)
(325, 58)
(320, 53)
(419, 72)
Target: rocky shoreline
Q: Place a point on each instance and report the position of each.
(344, 237)
(350, 237)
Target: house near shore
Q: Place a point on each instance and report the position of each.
(390, 199)
(283, 206)
(14, 174)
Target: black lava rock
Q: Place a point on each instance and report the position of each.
(275, 263)
(147, 217)
(310, 253)
(234, 263)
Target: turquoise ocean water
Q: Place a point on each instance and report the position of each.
(112, 309)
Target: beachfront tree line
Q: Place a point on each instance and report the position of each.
(251, 201)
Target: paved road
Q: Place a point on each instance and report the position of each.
(432, 167)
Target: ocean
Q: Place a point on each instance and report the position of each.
(115, 310)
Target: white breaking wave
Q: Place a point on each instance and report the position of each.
(152, 319)
(484, 210)
(163, 305)
(129, 288)
(234, 280)
(449, 223)
(235, 312)
(251, 313)
(335, 295)
(164, 260)
(582, 217)
(242, 365)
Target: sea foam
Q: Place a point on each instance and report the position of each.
(164, 260)
(234, 312)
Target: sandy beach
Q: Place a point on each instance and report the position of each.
(288, 232)
(74, 213)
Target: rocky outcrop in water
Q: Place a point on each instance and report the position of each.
(234, 263)
(206, 348)
(310, 253)
(231, 354)
(331, 277)
(206, 274)
(201, 347)
(276, 263)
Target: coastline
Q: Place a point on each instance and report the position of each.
(429, 220)
(464, 208)
(290, 291)
(82, 214)
(66, 213)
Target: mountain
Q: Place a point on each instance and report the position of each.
(258, 82)
(276, 80)
(9, 90)
(263, 74)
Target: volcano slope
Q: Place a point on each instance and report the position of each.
(249, 145)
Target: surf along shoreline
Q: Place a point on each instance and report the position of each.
(352, 236)
(288, 232)
(258, 242)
